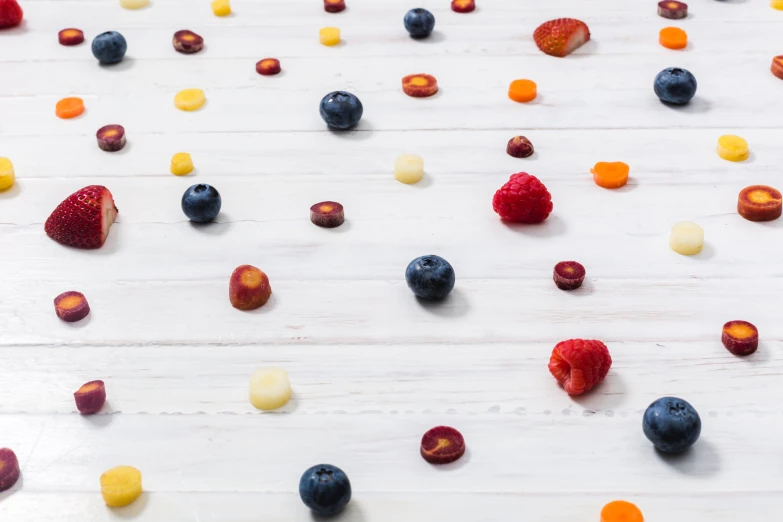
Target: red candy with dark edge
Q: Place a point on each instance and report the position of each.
(111, 138)
(327, 214)
(740, 337)
(90, 397)
(268, 66)
(569, 275)
(9, 469)
(523, 199)
(71, 306)
(463, 6)
(83, 219)
(11, 14)
(442, 445)
(334, 6)
(579, 364)
(70, 36)
(187, 42)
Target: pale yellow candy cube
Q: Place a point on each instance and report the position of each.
(134, 4)
(687, 238)
(270, 389)
(409, 168)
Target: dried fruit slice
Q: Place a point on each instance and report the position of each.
(569, 275)
(71, 306)
(610, 175)
(673, 38)
(121, 486)
(672, 9)
(248, 288)
(70, 36)
(334, 6)
(90, 397)
(111, 138)
(442, 445)
(519, 147)
(777, 66)
(419, 85)
(687, 238)
(740, 337)
(733, 148)
(327, 214)
(759, 203)
(268, 66)
(270, 389)
(7, 175)
(9, 469)
(187, 42)
(522, 91)
(68, 108)
(189, 99)
(620, 510)
(329, 36)
(463, 6)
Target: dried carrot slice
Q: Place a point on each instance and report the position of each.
(673, 38)
(610, 174)
(621, 511)
(69, 108)
(419, 85)
(522, 91)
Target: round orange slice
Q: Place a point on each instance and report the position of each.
(69, 108)
(419, 85)
(610, 175)
(621, 511)
(522, 91)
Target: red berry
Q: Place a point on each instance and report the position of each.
(523, 199)
(10, 14)
(562, 36)
(83, 219)
(579, 364)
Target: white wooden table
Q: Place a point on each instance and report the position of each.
(371, 368)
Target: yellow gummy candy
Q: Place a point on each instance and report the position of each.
(221, 8)
(189, 99)
(687, 238)
(6, 174)
(121, 486)
(733, 148)
(181, 164)
(329, 36)
(409, 168)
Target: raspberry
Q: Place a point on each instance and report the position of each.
(579, 364)
(523, 199)
(10, 14)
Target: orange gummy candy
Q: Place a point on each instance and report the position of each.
(673, 38)
(69, 108)
(621, 511)
(610, 174)
(522, 91)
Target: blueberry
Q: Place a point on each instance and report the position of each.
(430, 277)
(419, 22)
(341, 110)
(201, 203)
(671, 424)
(675, 85)
(325, 489)
(109, 47)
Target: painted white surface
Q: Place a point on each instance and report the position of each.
(371, 368)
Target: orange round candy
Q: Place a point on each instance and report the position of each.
(522, 91)
(69, 108)
(419, 85)
(621, 511)
(610, 175)
(673, 38)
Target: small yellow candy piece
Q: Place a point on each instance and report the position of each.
(181, 164)
(777, 4)
(329, 36)
(6, 174)
(270, 389)
(221, 8)
(687, 238)
(189, 99)
(409, 168)
(733, 148)
(121, 486)
(134, 4)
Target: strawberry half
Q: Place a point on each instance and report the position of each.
(10, 14)
(83, 220)
(562, 36)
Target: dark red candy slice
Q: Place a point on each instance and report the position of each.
(463, 6)
(9, 469)
(71, 306)
(442, 444)
(519, 147)
(90, 397)
(187, 42)
(419, 85)
(334, 6)
(672, 9)
(111, 138)
(327, 214)
(70, 36)
(569, 275)
(268, 66)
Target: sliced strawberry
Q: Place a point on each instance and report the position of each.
(83, 219)
(10, 14)
(562, 36)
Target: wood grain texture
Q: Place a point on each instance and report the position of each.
(371, 367)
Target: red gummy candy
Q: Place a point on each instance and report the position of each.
(579, 364)
(10, 14)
